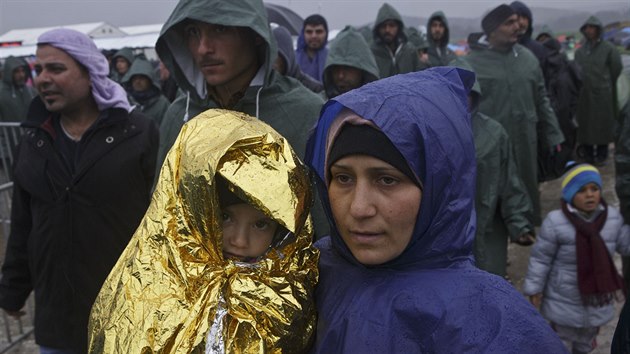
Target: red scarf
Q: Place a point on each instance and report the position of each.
(598, 279)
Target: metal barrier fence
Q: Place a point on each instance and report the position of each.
(15, 330)
(18, 330)
(10, 134)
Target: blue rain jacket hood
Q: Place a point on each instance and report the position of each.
(401, 110)
(431, 298)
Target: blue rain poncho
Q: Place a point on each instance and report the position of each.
(431, 298)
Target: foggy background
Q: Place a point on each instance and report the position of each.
(15, 14)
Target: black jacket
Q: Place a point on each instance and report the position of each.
(68, 229)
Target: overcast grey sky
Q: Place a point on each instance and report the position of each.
(42, 13)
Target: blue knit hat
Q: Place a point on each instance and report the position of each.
(576, 177)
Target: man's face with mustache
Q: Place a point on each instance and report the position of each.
(225, 55)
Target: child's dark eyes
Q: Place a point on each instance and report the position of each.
(261, 224)
(225, 217)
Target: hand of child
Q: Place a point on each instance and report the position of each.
(536, 299)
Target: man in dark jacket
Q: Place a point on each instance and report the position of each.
(439, 35)
(15, 96)
(393, 53)
(350, 63)
(515, 95)
(82, 182)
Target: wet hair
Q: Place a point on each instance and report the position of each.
(315, 20)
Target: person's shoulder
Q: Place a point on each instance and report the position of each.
(323, 244)
(290, 90)
(554, 218)
(525, 54)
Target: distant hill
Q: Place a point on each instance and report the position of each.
(558, 20)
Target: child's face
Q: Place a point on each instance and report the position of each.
(587, 198)
(247, 232)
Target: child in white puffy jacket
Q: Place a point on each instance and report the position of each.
(571, 275)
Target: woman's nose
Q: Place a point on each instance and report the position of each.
(362, 203)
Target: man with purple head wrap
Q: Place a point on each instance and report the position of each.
(82, 181)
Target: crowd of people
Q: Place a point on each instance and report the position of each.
(351, 195)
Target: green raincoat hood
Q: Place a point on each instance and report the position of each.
(171, 44)
(593, 21)
(439, 15)
(349, 49)
(545, 30)
(142, 67)
(387, 12)
(11, 64)
(126, 53)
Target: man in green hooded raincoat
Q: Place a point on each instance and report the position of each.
(393, 53)
(235, 74)
(349, 64)
(501, 200)
(15, 96)
(144, 90)
(221, 54)
(597, 105)
(515, 95)
(438, 38)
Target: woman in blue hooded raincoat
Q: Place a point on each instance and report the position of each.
(424, 295)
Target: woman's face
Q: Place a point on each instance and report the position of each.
(374, 206)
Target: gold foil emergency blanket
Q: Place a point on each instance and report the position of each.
(163, 294)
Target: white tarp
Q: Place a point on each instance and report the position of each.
(146, 40)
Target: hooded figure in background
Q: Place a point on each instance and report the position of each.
(285, 63)
(121, 63)
(268, 96)
(526, 21)
(597, 107)
(438, 38)
(393, 53)
(348, 52)
(430, 297)
(144, 91)
(15, 95)
(501, 200)
(173, 290)
(311, 48)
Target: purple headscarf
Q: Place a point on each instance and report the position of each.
(106, 92)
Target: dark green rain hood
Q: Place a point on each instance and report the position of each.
(387, 12)
(11, 64)
(126, 53)
(349, 48)
(172, 49)
(593, 21)
(142, 67)
(439, 15)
